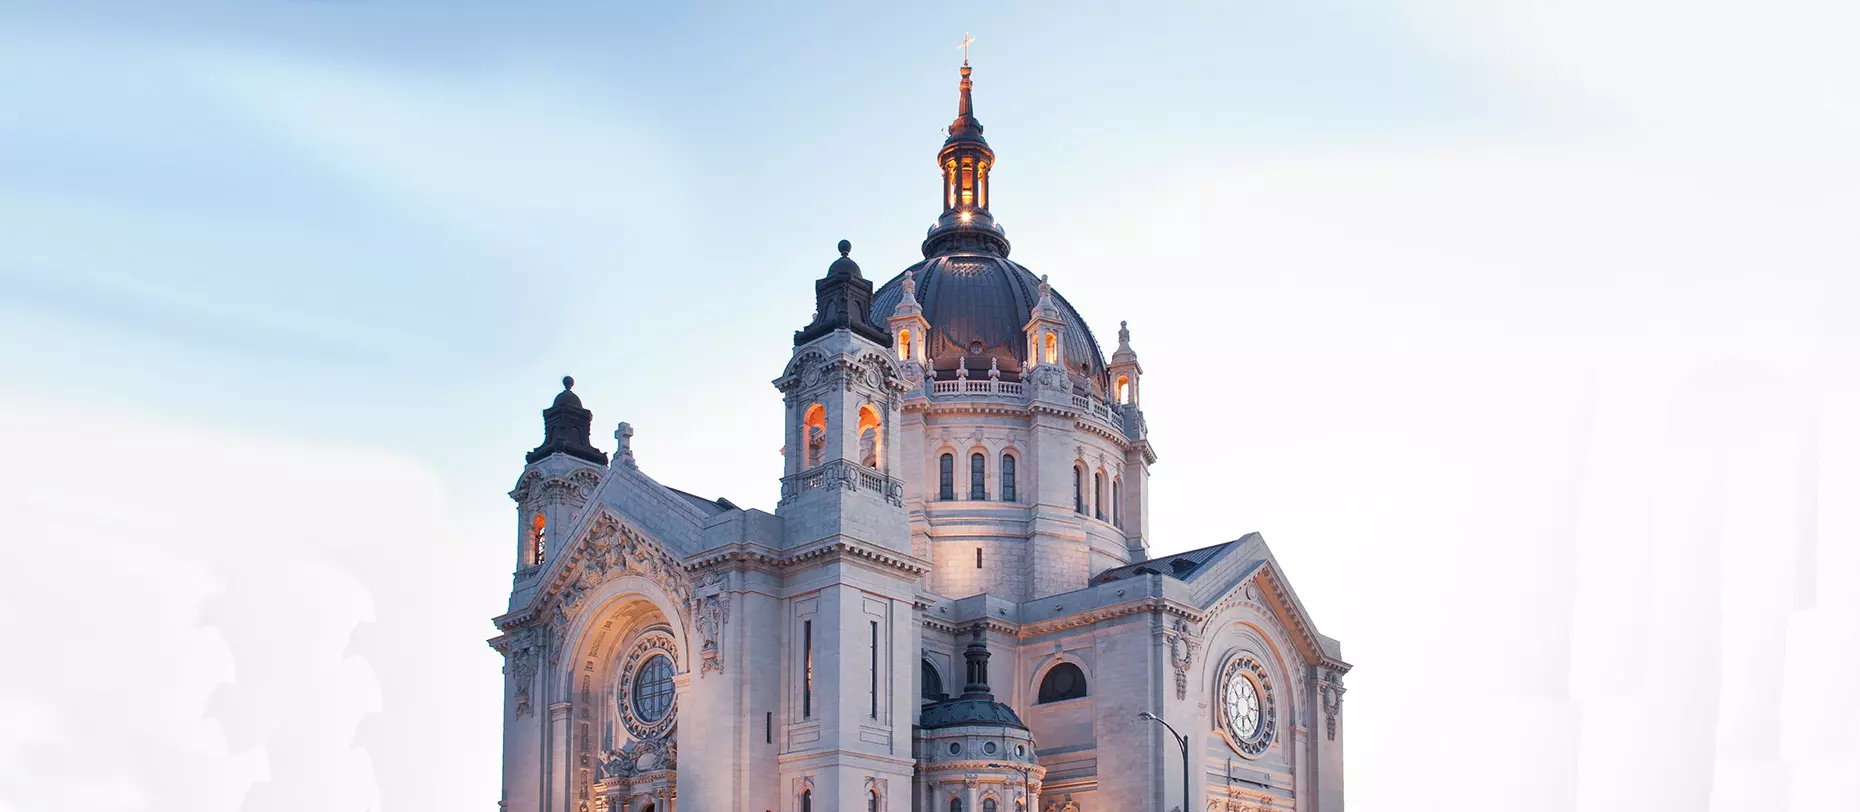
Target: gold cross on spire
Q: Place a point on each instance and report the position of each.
(966, 39)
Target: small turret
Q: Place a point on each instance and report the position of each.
(566, 427)
(842, 300)
(1125, 371)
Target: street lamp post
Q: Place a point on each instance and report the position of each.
(1181, 741)
(1026, 781)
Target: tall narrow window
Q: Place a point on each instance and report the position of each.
(932, 687)
(539, 540)
(807, 668)
(875, 669)
(1008, 493)
(871, 802)
(1078, 490)
(807, 801)
(955, 805)
(768, 727)
(1097, 496)
(988, 805)
(946, 477)
(978, 558)
(1052, 349)
(1123, 389)
(871, 436)
(978, 477)
(904, 345)
(814, 435)
(1117, 501)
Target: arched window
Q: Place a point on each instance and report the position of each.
(1064, 681)
(978, 477)
(871, 802)
(1052, 349)
(807, 800)
(1097, 496)
(1008, 492)
(955, 805)
(539, 540)
(946, 477)
(932, 682)
(814, 434)
(1123, 389)
(871, 436)
(988, 805)
(904, 345)
(1078, 490)
(1117, 501)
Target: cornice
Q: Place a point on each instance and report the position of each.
(759, 557)
(1164, 606)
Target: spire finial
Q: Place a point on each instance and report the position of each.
(845, 248)
(966, 39)
(568, 382)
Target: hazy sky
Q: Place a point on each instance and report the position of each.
(1523, 331)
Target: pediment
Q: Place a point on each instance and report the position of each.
(1263, 586)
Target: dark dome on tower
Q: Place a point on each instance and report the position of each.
(978, 306)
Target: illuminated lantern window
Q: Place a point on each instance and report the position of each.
(904, 345)
(539, 539)
(1052, 349)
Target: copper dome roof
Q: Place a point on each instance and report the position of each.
(983, 301)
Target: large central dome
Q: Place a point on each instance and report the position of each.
(975, 299)
(978, 306)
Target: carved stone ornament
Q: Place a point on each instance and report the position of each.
(608, 551)
(1330, 691)
(1244, 667)
(709, 613)
(536, 489)
(522, 655)
(1182, 648)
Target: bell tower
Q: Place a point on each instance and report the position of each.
(849, 582)
(558, 478)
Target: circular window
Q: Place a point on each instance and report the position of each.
(989, 748)
(653, 689)
(955, 747)
(1246, 705)
(1020, 749)
(646, 694)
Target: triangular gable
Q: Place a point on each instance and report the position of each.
(1270, 588)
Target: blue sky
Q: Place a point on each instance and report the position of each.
(1515, 327)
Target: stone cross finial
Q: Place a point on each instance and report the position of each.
(625, 435)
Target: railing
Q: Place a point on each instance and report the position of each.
(978, 386)
(843, 474)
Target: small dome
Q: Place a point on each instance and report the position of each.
(844, 266)
(978, 306)
(568, 397)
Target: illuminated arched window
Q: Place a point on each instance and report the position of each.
(904, 345)
(1078, 489)
(814, 434)
(946, 477)
(1008, 491)
(539, 539)
(1123, 389)
(968, 182)
(871, 436)
(978, 476)
(1052, 349)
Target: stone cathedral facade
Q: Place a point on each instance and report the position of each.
(954, 606)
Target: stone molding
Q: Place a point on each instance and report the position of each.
(536, 488)
(764, 558)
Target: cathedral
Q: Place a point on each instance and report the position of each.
(954, 606)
